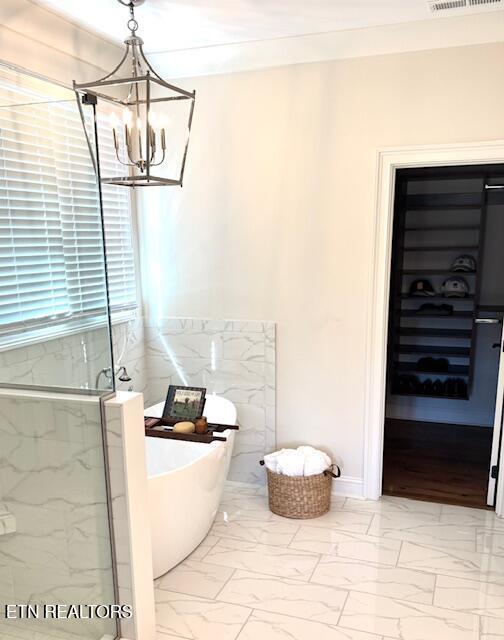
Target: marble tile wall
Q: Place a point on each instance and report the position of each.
(75, 360)
(52, 482)
(235, 359)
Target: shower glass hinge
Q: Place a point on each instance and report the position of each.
(494, 472)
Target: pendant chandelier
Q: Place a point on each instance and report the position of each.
(146, 119)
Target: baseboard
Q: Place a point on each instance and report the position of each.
(349, 487)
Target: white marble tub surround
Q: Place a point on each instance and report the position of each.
(232, 358)
(185, 485)
(248, 579)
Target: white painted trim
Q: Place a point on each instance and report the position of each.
(388, 161)
(348, 487)
(497, 426)
(424, 35)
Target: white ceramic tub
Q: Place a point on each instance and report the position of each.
(186, 480)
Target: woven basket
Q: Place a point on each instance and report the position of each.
(301, 496)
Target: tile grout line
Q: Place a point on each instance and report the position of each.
(224, 585)
(210, 549)
(399, 551)
(370, 523)
(243, 625)
(343, 608)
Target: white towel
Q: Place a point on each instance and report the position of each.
(271, 460)
(304, 460)
(316, 463)
(291, 463)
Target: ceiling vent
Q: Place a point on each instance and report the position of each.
(447, 5)
(476, 3)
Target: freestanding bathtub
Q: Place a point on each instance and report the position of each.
(186, 480)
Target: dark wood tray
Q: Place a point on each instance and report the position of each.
(210, 436)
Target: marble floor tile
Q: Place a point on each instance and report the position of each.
(264, 625)
(407, 620)
(245, 507)
(265, 532)
(314, 602)
(414, 528)
(337, 518)
(491, 629)
(488, 541)
(453, 562)
(394, 568)
(464, 516)
(346, 545)
(202, 549)
(391, 504)
(198, 618)
(161, 635)
(195, 578)
(482, 598)
(375, 578)
(261, 558)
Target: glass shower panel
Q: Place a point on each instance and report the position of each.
(55, 538)
(53, 299)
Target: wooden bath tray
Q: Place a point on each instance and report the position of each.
(210, 436)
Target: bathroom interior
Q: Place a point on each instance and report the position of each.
(249, 269)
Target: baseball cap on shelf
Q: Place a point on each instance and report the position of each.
(455, 287)
(421, 288)
(464, 263)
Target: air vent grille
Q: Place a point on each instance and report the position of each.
(475, 3)
(447, 5)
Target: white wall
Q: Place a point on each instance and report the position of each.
(274, 221)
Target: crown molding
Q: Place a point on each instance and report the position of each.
(442, 33)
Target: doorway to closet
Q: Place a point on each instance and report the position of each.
(444, 365)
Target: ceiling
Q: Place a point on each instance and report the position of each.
(171, 25)
(201, 37)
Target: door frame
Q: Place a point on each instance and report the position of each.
(388, 162)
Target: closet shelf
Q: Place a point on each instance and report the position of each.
(455, 248)
(459, 371)
(426, 395)
(472, 200)
(409, 313)
(438, 296)
(459, 352)
(469, 227)
(437, 272)
(436, 333)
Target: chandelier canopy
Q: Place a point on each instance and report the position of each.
(147, 119)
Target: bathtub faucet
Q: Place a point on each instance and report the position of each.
(120, 372)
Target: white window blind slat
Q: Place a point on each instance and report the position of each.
(51, 253)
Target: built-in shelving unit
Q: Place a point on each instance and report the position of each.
(431, 350)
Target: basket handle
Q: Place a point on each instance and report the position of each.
(330, 471)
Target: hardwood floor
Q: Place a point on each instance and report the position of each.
(437, 462)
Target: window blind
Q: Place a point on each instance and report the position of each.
(51, 249)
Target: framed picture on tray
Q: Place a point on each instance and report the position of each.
(184, 403)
